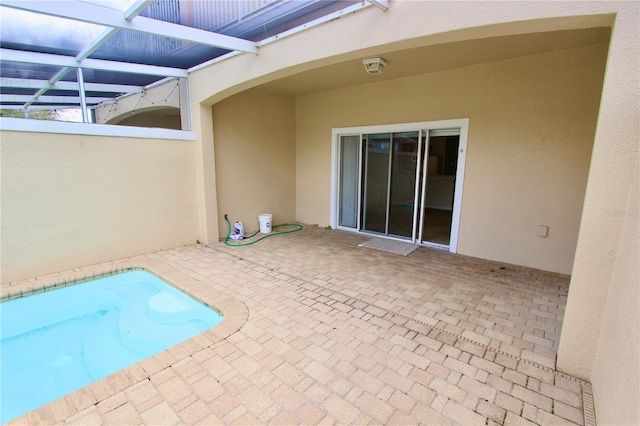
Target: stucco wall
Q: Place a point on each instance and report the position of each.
(531, 129)
(405, 25)
(413, 23)
(618, 354)
(74, 200)
(254, 145)
(600, 338)
(164, 118)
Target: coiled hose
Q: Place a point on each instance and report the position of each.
(297, 227)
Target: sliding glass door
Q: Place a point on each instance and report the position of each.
(388, 188)
(439, 186)
(375, 185)
(349, 179)
(400, 183)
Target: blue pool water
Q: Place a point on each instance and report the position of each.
(62, 340)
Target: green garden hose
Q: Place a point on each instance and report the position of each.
(297, 227)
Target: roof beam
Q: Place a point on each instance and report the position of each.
(129, 14)
(136, 8)
(32, 107)
(61, 73)
(67, 85)
(96, 43)
(86, 12)
(98, 64)
(380, 4)
(51, 99)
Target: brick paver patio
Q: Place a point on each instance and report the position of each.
(320, 331)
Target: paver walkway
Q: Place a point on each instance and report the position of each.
(321, 331)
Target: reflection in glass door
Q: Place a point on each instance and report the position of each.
(375, 183)
(388, 192)
(403, 184)
(348, 213)
(440, 170)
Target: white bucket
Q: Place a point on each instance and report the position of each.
(265, 223)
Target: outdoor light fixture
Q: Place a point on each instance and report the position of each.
(374, 65)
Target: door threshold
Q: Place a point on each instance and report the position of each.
(435, 246)
(388, 237)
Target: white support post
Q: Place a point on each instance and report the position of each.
(381, 4)
(83, 95)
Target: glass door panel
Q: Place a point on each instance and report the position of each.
(375, 182)
(441, 167)
(349, 161)
(403, 184)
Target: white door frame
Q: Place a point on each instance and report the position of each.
(461, 123)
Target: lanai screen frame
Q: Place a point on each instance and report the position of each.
(130, 19)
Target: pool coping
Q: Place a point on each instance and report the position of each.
(234, 312)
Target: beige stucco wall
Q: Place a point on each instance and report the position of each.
(75, 200)
(162, 118)
(531, 129)
(618, 353)
(600, 337)
(254, 144)
(413, 23)
(407, 24)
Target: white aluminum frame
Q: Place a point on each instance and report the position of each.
(98, 64)
(105, 16)
(358, 188)
(114, 20)
(68, 85)
(461, 123)
(127, 17)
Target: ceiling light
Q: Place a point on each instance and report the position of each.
(374, 65)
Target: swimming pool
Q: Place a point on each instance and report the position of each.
(62, 340)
